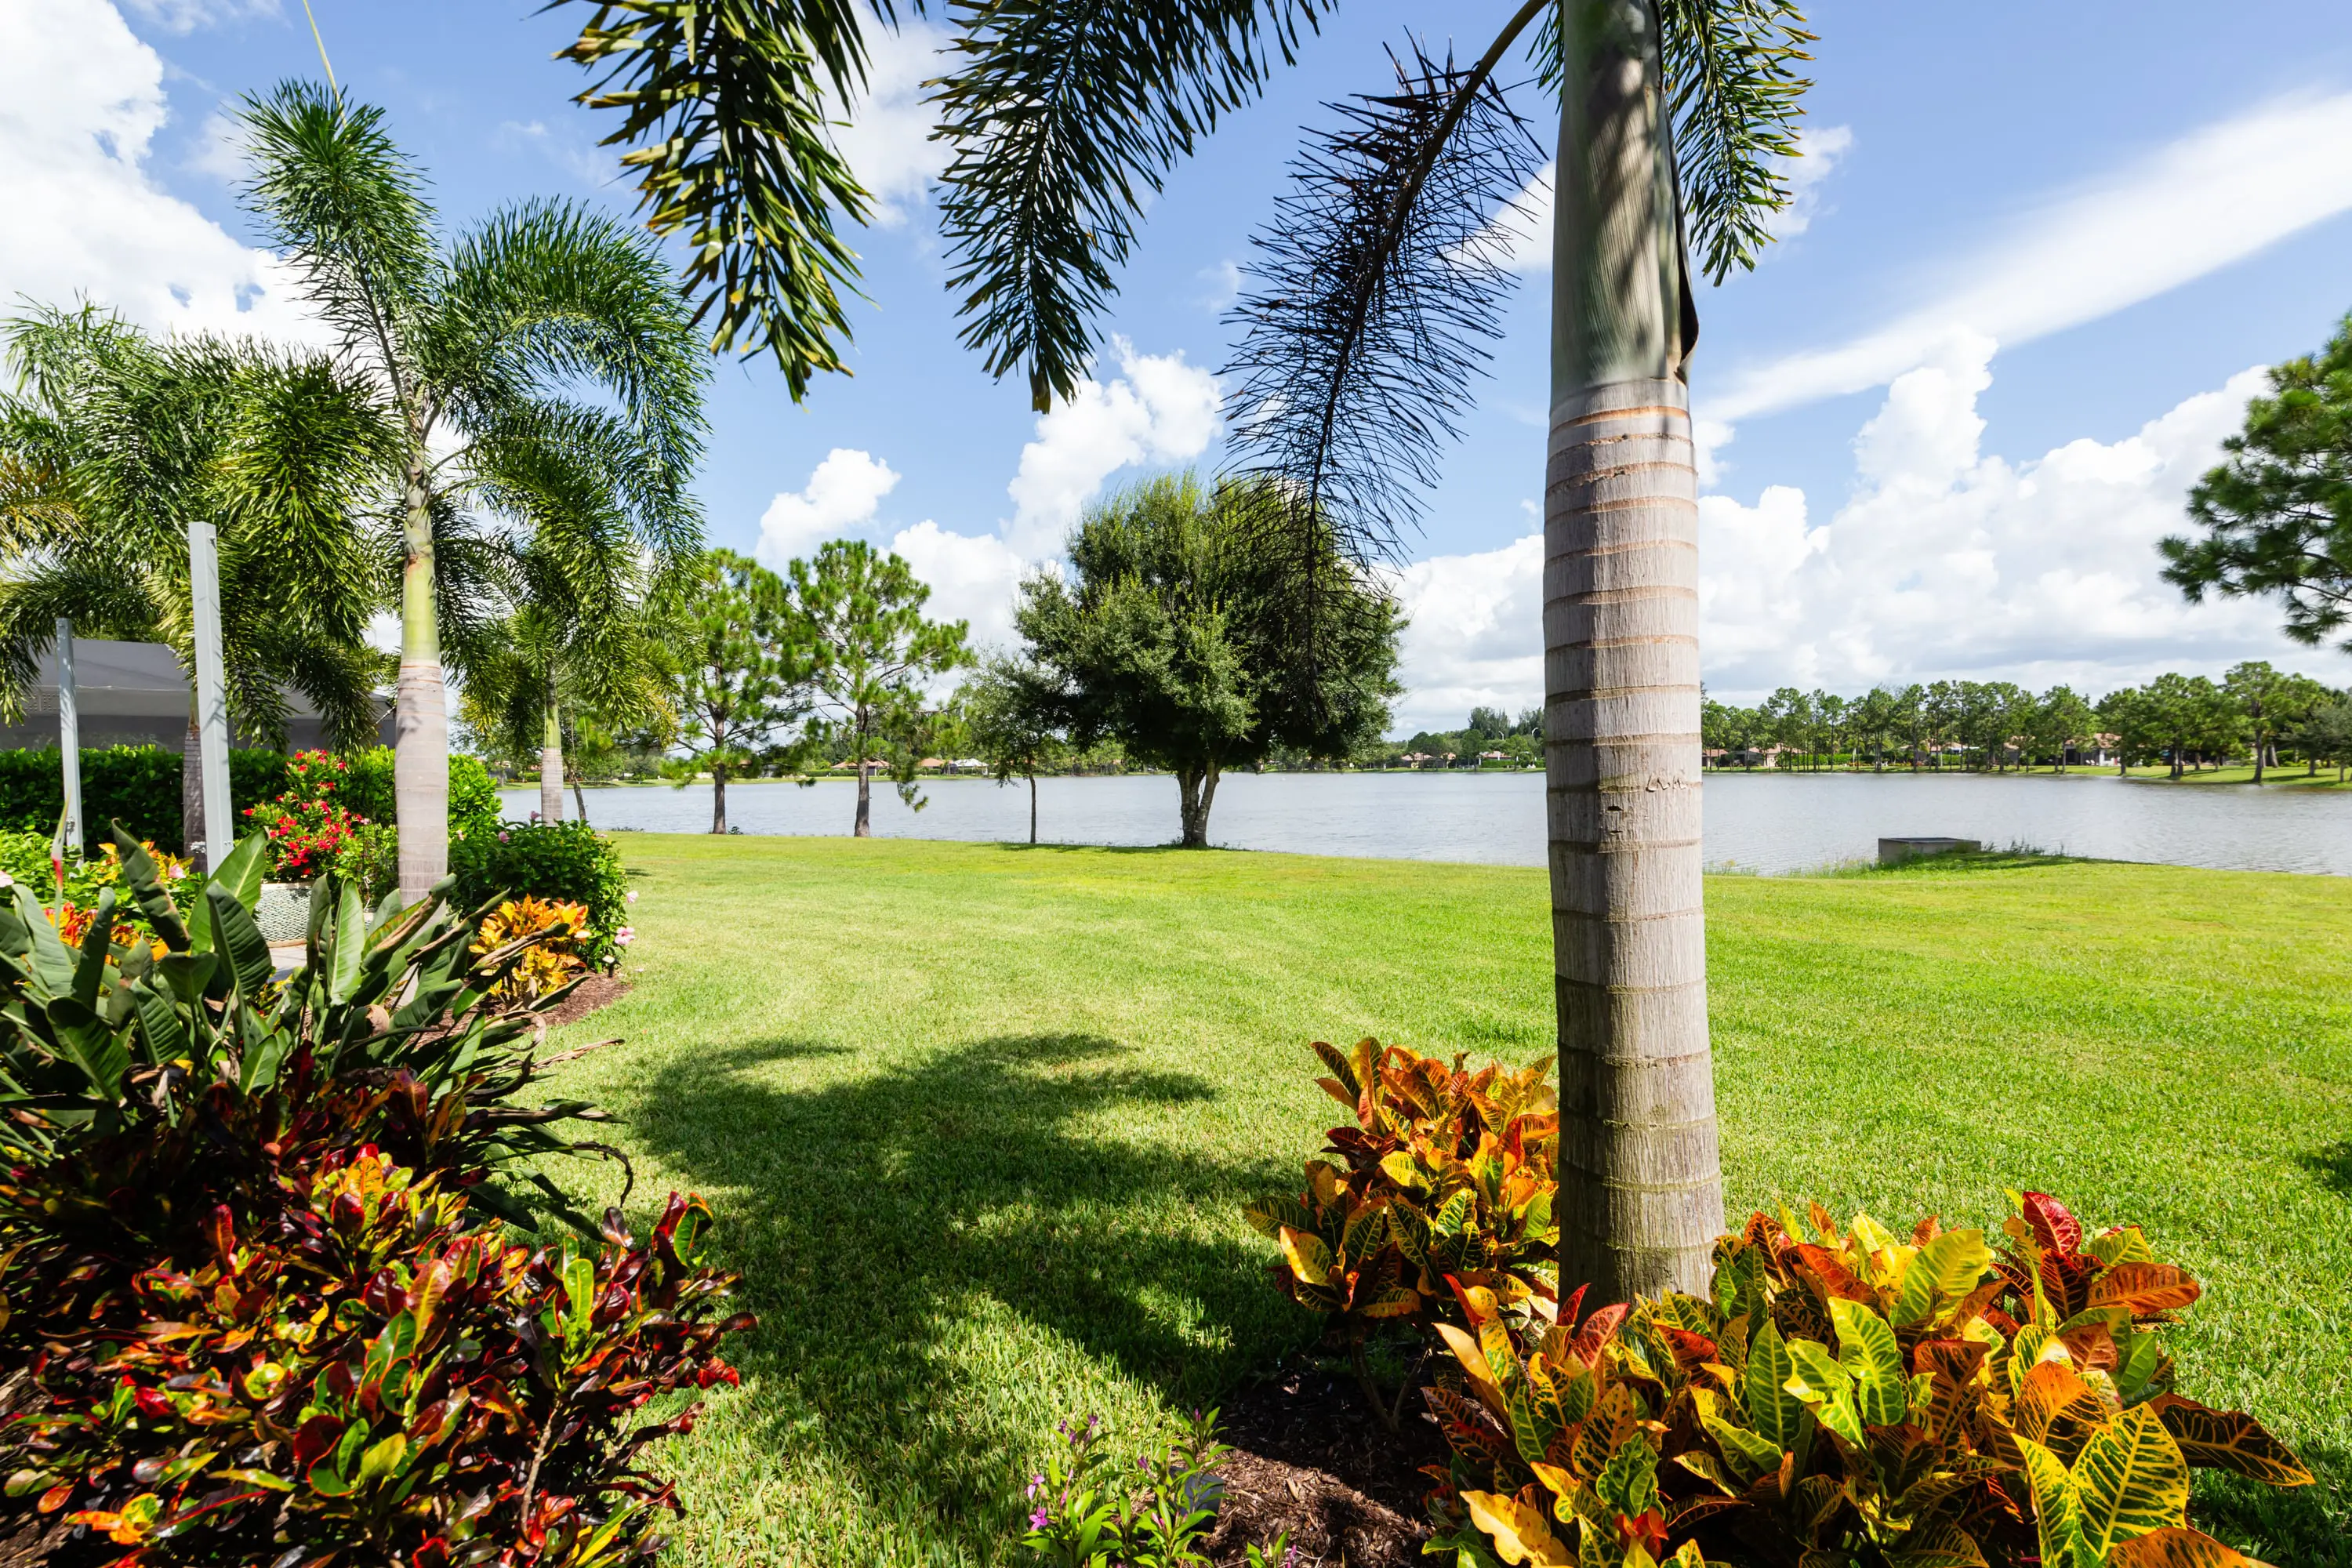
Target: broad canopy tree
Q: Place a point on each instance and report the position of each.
(1171, 642)
(1375, 290)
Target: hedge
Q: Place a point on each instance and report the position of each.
(138, 786)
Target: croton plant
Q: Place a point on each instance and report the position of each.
(259, 1299)
(1846, 1397)
(1444, 1180)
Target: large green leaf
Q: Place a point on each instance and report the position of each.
(1868, 1351)
(2131, 1479)
(237, 938)
(52, 963)
(1827, 1387)
(2057, 1510)
(1944, 1271)
(140, 874)
(1772, 1410)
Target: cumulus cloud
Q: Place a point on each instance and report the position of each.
(1158, 410)
(80, 102)
(886, 137)
(972, 577)
(1944, 561)
(1950, 561)
(2214, 197)
(1475, 637)
(841, 496)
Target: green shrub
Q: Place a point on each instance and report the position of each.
(570, 861)
(473, 795)
(1857, 1397)
(138, 786)
(252, 1260)
(1088, 1511)
(1447, 1184)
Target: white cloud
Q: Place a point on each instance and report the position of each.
(972, 577)
(187, 16)
(1946, 562)
(887, 137)
(219, 150)
(80, 102)
(1950, 561)
(569, 148)
(841, 496)
(1225, 281)
(2212, 198)
(1524, 225)
(1475, 637)
(1159, 410)
(1819, 153)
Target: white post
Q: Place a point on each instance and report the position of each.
(212, 692)
(69, 736)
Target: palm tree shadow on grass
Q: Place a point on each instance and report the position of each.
(888, 1226)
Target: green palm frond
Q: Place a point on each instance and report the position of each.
(1064, 117)
(724, 103)
(350, 209)
(551, 292)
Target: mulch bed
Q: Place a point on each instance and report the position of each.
(1310, 1458)
(596, 991)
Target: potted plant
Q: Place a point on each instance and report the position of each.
(308, 827)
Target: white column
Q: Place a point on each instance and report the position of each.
(212, 692)
(69, 736)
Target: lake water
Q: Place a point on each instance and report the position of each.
(1757, 823)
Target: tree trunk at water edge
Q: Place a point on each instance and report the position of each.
(551, 758)
(1197, 790)
(865, 828)
(718, 797)
(1033, 808)
(1640, 1191)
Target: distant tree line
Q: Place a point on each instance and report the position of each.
(2255, 712)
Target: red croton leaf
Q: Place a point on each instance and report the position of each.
(2054, 1225)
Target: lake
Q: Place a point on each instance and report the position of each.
(1754, 822)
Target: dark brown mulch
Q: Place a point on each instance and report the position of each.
(1310, 1458)
(596, 991)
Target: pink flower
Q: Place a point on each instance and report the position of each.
(1037, 1519)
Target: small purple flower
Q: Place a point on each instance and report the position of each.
(1037, 1519)
(1035, 1482)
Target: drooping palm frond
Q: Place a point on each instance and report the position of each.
(1732, 77)
(1372, 299)
(724, 103)
(552, 292)
(350, 208)
(1064, 117)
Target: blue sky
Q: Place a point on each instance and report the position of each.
(2038, 250)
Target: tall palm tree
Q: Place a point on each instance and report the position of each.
(475, 352)
(1376, 288)
(110, 443)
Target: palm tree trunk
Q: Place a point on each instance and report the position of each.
(420, 765)
(551, 757)
(1641, 1195)
(192, 778)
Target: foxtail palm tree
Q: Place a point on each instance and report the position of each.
(110, 443)
(1376, 288)
(470, 350)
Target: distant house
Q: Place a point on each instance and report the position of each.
(133, 694)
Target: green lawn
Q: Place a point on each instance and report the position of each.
(976, 1119)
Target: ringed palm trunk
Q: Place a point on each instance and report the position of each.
(192, 776)
(420, 767)
(1641, 1195)
(551, 758)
